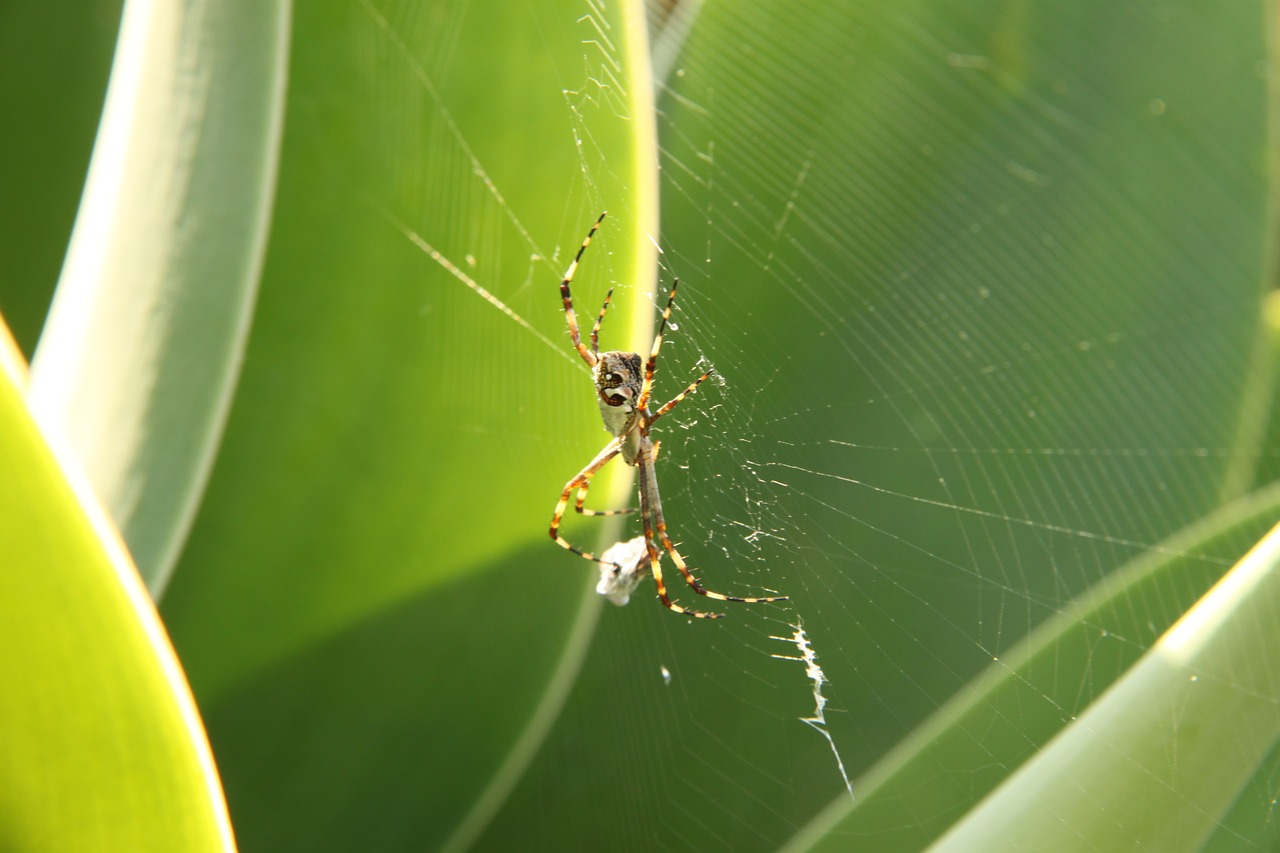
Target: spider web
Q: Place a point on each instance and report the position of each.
(960, 382)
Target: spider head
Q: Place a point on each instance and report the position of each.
(618, 377)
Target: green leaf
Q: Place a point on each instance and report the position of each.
(54, 76)
(1013, 706)
(102, 747)
(359, 501)
(138, 360)
(952, 264)
(1212, 675)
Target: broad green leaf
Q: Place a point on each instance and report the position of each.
(365, 331)
(1064, 649)
(137, 363)
(100, 744)
(394, 428)
(980, 285)
(1213, 675)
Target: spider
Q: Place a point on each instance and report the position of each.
(622, 393)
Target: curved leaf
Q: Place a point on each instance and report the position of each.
(1212, 675)
(137, 363)
(339, 520)
(1013, 706)
(102, 748)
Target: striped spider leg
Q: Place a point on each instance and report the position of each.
(623, 391)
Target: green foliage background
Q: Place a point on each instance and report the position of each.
(1001, 387)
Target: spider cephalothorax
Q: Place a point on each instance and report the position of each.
(623, 391)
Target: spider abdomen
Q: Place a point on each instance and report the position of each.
(618, 378)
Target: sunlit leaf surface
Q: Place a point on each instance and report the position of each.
(100, 743)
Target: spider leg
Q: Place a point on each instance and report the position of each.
(675, 401)
(652, 364)
(588, 355)
(595, 330)
(651, 505)
(582, 497)
(648, 489)
(580, 482)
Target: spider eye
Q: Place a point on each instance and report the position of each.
(613, 379)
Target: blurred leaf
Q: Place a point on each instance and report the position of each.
(101, 745)
(392, 429)
(137, 363)
(1212, 674)
(1002, 705)
(54, 60)
(958, 303)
